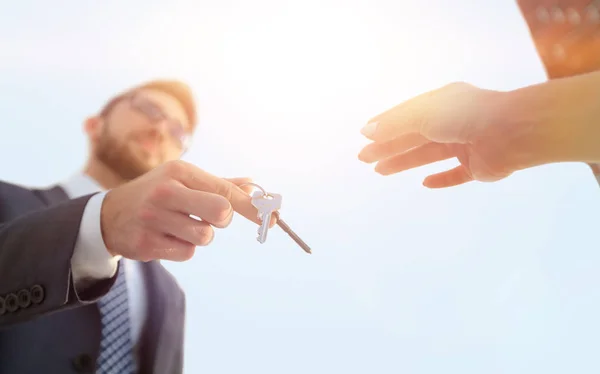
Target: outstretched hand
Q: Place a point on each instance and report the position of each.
(456, 121)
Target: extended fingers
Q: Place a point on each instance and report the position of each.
(405, 118)
(381, 150)
(419, 156)
(449, 178)
(443, 115)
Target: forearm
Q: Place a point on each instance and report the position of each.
(556, 121)
(36, 250)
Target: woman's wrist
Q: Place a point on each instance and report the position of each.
(556, 121)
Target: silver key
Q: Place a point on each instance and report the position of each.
(286, 228)
(266, 205)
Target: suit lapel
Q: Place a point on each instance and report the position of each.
(51, 196)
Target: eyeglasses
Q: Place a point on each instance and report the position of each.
(155, 114)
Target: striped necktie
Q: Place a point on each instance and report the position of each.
(116, 348)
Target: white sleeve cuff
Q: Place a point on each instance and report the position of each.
(91, 260)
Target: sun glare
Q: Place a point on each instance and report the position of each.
(304, 75)
(299, 55)
(294, 71)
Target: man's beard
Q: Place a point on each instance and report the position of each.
(119, 157)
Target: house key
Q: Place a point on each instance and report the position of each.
(268, 205)
(284, 226)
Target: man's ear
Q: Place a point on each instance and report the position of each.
(93, 127)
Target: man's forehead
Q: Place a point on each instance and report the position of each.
(167, 102)
(155, 93)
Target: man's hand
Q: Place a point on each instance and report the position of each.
(458, 120)
(149, 217)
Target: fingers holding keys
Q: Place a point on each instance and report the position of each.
(153, 216)
(247, 185)
(197, 179)
(243, 183)
(234, 190)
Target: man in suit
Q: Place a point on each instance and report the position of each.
(81, 286)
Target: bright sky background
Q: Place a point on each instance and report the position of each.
(483, 278)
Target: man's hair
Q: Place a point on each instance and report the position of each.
(175, 88)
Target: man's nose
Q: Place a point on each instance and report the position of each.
(161, 129)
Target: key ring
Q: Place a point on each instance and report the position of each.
(280, 222)
(264, 192)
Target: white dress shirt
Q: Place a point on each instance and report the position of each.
(92, 261)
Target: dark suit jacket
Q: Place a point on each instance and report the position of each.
(45, 326)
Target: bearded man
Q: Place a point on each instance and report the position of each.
(81, 286)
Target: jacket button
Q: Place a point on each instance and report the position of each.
(24, 298)
(2, 306)
(83, 363)
(37, 294)
(12, 303)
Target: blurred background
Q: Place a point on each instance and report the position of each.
(482, 278)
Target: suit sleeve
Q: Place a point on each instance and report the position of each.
(35, 263)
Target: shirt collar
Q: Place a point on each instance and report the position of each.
(80, 184)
